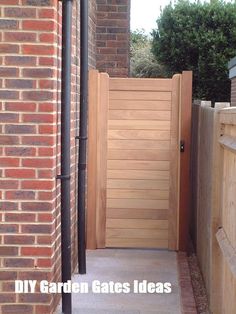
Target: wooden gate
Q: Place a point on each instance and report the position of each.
(134, 187)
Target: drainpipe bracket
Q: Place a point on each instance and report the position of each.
(82, 138)
(63, 177)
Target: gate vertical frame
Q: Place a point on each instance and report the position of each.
(185, 182)
(174, 164)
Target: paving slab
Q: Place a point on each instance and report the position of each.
(125, 265)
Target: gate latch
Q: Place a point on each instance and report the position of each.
(182, 146)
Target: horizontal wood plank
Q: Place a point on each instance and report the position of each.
(138, 124)
(137, 84)
(139, 154)
(139, 115)
(137, 233)
(137, 203)
(137, 243)
(138, 144)
(138, 184)
(137, 165)
(137, 224)
(138, 174)
(129, 213)
(138, 194)
(140, 95)
(140, 104)
(139, 135)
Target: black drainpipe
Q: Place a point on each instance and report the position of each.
(82, 135)
(65, 150)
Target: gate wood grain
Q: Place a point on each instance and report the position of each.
(137, 170)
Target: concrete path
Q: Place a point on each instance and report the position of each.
(126, 266)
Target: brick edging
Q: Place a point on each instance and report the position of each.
(188, 303)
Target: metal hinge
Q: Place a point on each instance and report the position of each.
(182, 146)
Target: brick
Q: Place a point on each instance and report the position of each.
(4, 228)
(9, 94)
(47, 107)
(47, 38)
(42, 309)
(37, 185)
(8, 275)
(47, 84)
(37, 163)
(34, 275)
(20, 12)
(47, 13)
(44, 262)
(8, 251)
(43, 240)
(8, 24)
(46, 151)
(36, 206)
(9, 2)
(37, 140)
(9, 72)
(35, 298)
(9, 140)
(45, 196)
(20, 106)
(47, 61)
(20, 60)
(20, 37)
(20, 129)
(38, 49)
(8, 206)
(18, 239)
(9, 117)
(37, 95)
(36, 251)
(20, 173)
(8, 286)
(41, 229)
(8, 184)
(40, 3)
(17, 309)
(18, 262)
(45, 174)
(38, 73)
(20, 195)
(7, 48)
(45, 217)
(20, 151)
(46, 26)
(7, 298)
(38, 118)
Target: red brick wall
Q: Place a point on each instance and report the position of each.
(113, 26)
(30, 52)
(233, 92)
(30, 70)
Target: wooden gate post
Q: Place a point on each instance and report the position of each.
(93, 93)
(185, 182)
(97, 157)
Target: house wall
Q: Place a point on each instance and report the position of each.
(30, 71)
(113, 31)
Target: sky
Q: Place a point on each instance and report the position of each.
(144, 13)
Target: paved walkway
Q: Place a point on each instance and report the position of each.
(126, 266)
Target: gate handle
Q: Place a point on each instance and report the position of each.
(182, 146)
